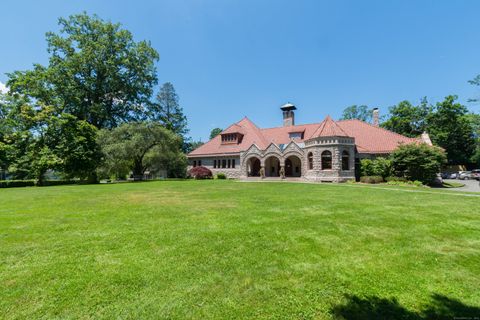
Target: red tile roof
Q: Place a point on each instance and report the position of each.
(368, 138)
(329, 128)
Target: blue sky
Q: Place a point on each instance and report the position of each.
(229, 59)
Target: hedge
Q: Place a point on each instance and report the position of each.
(32, 183)
(16, 183)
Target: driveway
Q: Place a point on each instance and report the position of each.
(470, 185)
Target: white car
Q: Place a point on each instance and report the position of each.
(464, 175)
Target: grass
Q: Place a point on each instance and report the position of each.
(229, 250)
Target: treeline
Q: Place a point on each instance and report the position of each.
(449, 124)
(90, 112)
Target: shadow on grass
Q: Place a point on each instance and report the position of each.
(441, 307)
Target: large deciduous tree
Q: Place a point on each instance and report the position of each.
(407, 119)
(357, 112)
(96, 72)
(450, 128)
(136, 147)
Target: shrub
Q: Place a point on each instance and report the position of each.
(200, 173)
(371, 179)
(59, 182)
(396, 179)
(376, 167)
(16, 183)
(418, 162)
(221, 176)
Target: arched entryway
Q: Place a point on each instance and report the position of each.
(253, 167)
(272, 167)
(293, 167)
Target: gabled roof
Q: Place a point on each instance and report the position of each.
(328, 128)
(368, 138)
(234, 128)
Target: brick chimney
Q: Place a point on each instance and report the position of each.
(288, 114)
(376, 116)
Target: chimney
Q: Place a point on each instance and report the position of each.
(375, 117)
(288, 114)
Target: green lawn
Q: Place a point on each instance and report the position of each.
(232, 250)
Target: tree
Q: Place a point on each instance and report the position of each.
(215, 132)
(418, 162)
(475, 123)
(450, 128)
(36, 140)
(407, 119)
(136, 147)
(476, 82)
(96, 72)
(357, 112)
(191, 145)
(167, 111)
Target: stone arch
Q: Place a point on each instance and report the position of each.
(253, 165)
(293, 165)
(272, 165)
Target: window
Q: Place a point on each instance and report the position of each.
(224, 163)
(345, 160)
(233, 163)
(199, 163)
(194, 163)
(326, 160)
(310, 161)
(214, 163)
(229, 163)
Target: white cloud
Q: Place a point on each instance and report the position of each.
(3, 88)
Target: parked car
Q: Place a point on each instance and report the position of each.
(476, 174)
(451, 175)
(464, 175)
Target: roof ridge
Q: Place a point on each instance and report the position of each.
(378, 127)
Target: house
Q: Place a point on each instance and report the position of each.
(328, 151)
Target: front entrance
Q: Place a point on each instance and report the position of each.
(293, 167)
(272, 167)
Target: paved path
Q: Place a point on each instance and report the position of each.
(470, 185)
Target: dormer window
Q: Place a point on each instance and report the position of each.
(296, 135)
(231, 138)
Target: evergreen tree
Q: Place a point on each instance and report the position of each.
(167, 111)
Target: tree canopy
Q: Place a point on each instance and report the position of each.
(407, 119)
(215, 132)
(96, 72)
(450, 128)
(138, 146)
(357, 112)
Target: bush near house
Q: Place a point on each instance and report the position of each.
(418, 162)
(221, 176)
(200, 173)
(371, 179)
(377, 167)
